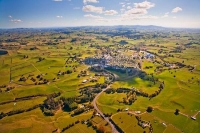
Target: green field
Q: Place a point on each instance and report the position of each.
(128, 123)
(54, 62)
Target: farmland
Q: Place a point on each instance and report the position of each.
(148, 80)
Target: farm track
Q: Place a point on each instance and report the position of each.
(36, 68)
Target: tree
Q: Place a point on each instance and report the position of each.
(70, 48)
(68, 71)
(100, 129)
(73, 106)
(40, 59)
(177, 111)
(161, 86)
(2, 115)
(149, 109)
(89, 123)
(78, 111)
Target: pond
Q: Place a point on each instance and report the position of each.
(3, 52)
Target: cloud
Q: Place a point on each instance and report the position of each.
(59, 16)
(90, 8)
(92, 16)
(144, 5)
(57, 0)
(165, 15)
(128, 13)
(15, 20)
(10, 16)
(110, 12)
(174, 17)
(136, 11)
(128, 7)
(90, 1)
(177, 9)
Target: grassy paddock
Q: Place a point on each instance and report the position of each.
(128, 123)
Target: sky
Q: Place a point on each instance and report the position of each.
(67, 13)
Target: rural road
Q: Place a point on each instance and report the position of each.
(114, 130)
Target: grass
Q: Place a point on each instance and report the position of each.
(6, 96)
(180, 92)
(171, 98)
(157, 125)
(181, 122)
(21, 105)
(4, 74)
(97, 119)
(108, 102)
(23, 91)
(171, 129)
(128, 123)
(80, 128)
(100, 122)
(35, 121)
(17, 73)
(138, 83)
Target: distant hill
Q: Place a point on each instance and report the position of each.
(97, 28)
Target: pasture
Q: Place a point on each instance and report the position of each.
(52, 62)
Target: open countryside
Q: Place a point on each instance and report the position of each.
(97, 66)
(66, 81)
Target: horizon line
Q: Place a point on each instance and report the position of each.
(43, 27)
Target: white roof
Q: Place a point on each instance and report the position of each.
(126, 108)
(84, 81)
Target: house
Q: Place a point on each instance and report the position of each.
(82, 106)
(97, 114)
(193, 118)
(144, 125)
(84, 81)
(137, 112)
(149, 55)
(164, 124)
(126, 109)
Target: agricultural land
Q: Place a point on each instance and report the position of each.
(112, 79)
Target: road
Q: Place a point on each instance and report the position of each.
(114, 130)
(196, 114)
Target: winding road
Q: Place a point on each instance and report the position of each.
(114, 130)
